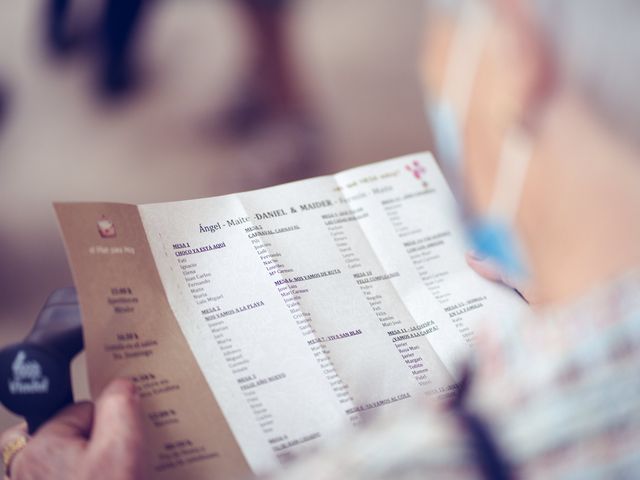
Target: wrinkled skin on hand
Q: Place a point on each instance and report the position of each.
(86, 441)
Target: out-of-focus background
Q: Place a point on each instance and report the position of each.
(184, 130)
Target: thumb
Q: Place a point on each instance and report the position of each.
(117, 439)
(485, 268)
(488, 270)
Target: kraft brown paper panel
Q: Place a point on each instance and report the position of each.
(131, 331)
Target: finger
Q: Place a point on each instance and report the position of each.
(75, 421)
(484, 267)
(12, 433)
(118, 414)
(117, 435)
(11, 436)
(12, 443)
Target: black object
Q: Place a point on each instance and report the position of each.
(492, 463)
(57, 36)
(119, 25)
(4, 104)
(35, 376)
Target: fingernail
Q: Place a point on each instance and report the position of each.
(122, 386)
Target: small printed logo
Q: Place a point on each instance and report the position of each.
(418, 171)
(27, 376)
(106, 228)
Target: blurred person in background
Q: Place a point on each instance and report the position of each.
(536, 117)
(270, 87)
(267, 109)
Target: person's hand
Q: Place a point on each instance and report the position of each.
(85, 442)
(486, 269)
